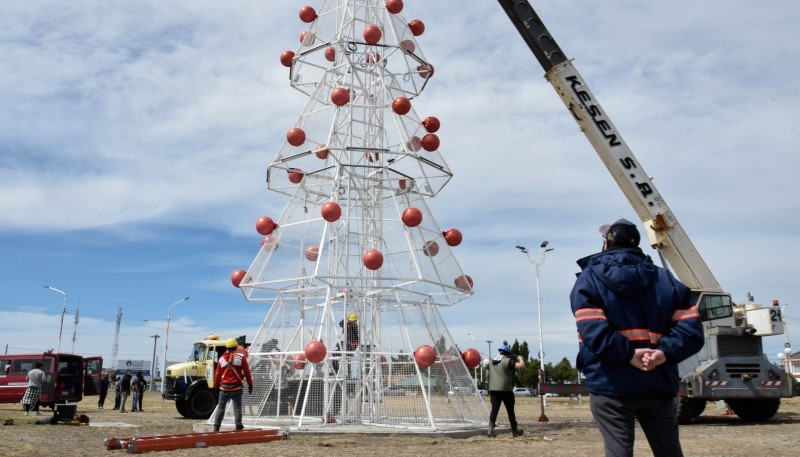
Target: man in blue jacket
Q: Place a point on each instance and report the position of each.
(635, 322)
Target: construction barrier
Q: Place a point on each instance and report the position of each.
(141, 444)
(565, 389)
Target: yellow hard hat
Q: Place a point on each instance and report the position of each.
(352, 317)
(231, 343)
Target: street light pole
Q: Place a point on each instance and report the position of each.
(536, 262)
(166, 341)
(153, 365)
(63, 312)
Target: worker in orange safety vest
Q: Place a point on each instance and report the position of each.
(232, 369)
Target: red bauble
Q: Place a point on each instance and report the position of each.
(315, 351)
(453, 237)
(414, 144)
(330, 54)
(295, 175)
(464, 282)
(406, 184)
(425, 356)
(307, 14)
(307, 38)
(265, 225)
(372, 34)
(431, 124)
(300, 361)
(412, 217)
(296, 136)
(331, 211)
(431, 248)
(401, 105)
(269, 243)
(373, 259)
(321, 152)
(471, 358)
(430, 142)
(425, 70)
(340, 96)
(417, 27)
(237, 276)
(408, 46)
(312, 252)
(286, 58)
(394, 6)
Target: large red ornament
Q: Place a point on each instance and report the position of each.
(430, 142)
(307, 14)
(425, 70)
(373, 259)
(340, 96)
(330, 54)
(300, 361)
(237, 277)
(417, 27)
(414, 144)
(412, 217)
(464, 282)
(331, 211)
(405, 184)
(425, 356)
(269, 243)
(286, 58)
(321, 152)
(471, 358)
(394, 6)
(312, 252)
(431, 248)
(453, 237)
(315, 351)
(307, 38)
(408, 46)
(431, 124)
(372, 34)
(295, 175)
(265, 225)
(401, 105)
(296, 136)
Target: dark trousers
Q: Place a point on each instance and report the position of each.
(616, 417)
(117, 399)
(101, 401)
(502, 397)
(141, 397)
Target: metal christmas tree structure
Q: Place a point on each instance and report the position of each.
(356, 267)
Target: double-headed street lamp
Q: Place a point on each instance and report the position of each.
(166, 341)
(63, 311)
(536, 262)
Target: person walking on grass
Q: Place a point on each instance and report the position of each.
(501, 388)
(232, 370)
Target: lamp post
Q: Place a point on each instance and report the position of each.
(63, 312)
(166, 341)
(536, 262)
(153, 364)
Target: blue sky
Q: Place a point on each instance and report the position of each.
(134, 138)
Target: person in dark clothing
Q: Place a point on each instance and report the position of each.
(142, 387)
(125, 390)
(104, 384)
(501, 388)
(635, 323)
(117, 391)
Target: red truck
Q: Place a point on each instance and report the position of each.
(68, 377)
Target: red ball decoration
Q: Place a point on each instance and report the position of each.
(425, 70)
(299, 361)
(412, 217)
(425, 356)
(431, 124)
(414, 144)
(296, 136)
(373, 259)
(471, 358)
(321, 152)
(401, 105)
(269, 243)
(307, 38)
(406, 184)
(286, 58)
(394, 6)
(312, 252)
(430, 142)
(431, 248)
(372, 34)
(295, 175)
(464, 282)
(330, 54)
(237, 277)
(331, 211)
(417, 27)
(452, 236)
(315, 351)
(265, 225)
(408, 46)
(372, 156)
(340, 96)
(307, 14)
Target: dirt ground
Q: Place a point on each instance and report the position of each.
(570, 432)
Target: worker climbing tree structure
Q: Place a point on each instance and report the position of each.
(356, 267)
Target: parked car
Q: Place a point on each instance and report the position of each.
(394, 390)
(523, 392)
